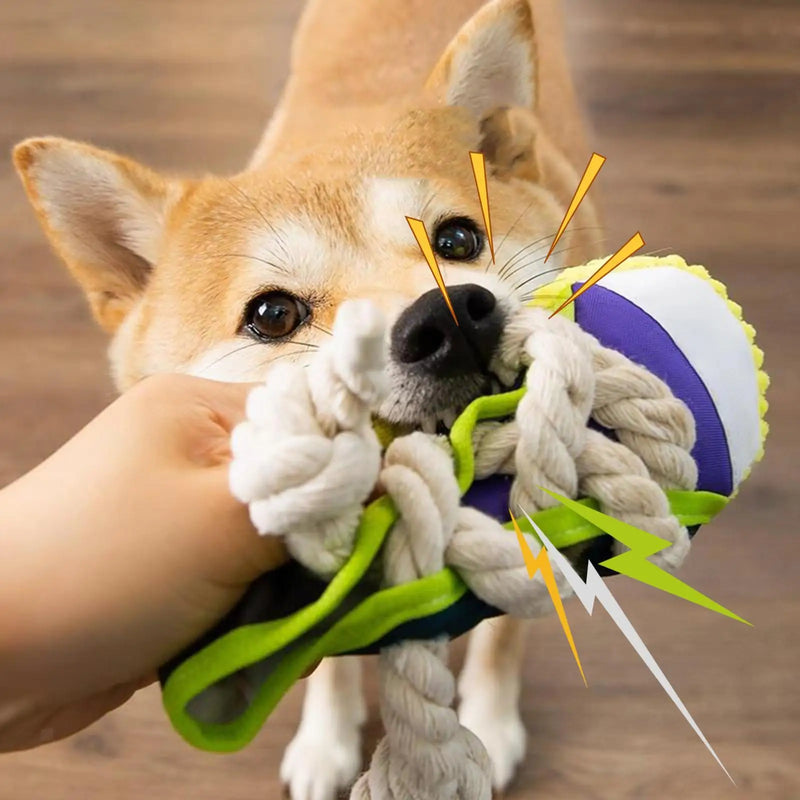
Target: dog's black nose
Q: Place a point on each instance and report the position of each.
(426, 337)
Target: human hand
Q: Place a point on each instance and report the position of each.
(119, 550)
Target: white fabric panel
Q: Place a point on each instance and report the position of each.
(705, 329)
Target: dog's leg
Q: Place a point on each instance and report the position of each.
(325, 754)
(489, 687)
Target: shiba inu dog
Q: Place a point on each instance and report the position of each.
(221, 277)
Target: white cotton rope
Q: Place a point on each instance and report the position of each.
(307, 459)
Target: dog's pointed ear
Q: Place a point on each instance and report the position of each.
(104, 215)
(489, 68)
(491, 62)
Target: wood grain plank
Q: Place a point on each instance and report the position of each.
(695, 104)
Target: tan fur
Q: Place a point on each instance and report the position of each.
(348, 112)
(364, 135)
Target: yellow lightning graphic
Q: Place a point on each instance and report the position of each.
(594, 589)
(421, 235)
(641, 544)
(589, 174)
(636, 242)
(541, 563)
(482, 185)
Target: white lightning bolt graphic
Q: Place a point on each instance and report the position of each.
(595, 589)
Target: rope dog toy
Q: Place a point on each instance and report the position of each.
(645, 399)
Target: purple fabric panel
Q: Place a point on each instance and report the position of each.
(490, 495)
(621, 325)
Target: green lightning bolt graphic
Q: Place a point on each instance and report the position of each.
(634, 563)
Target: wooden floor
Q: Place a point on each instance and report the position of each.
(695, 104)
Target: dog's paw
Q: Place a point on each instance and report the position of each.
(501, 732)
(318, 764)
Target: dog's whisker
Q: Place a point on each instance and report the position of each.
(535, 258)
(216, 361)
(518, 286)
(534, 295)
(541, 274)
(542, 242)
(538, 258)
(278, 357)
(228, 355)
(509, 262)
(512, 267)
(532, 263)
(657, 252)
(280, 268)
(321, 328)
(427, 204)
(246, 196)
(510, 231)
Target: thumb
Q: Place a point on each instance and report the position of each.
(247, 553)
(228, 400)
(253, 552)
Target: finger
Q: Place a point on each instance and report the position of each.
(229, 401)
(269, 552)
(146, 680)
(67, 720)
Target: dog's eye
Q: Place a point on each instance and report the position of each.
(274, 315)
(458, 240)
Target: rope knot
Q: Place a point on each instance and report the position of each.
(307, 458)
(418, 475)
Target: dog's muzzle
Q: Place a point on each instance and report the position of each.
(427, 342)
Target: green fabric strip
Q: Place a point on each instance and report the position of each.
(565, 528)
(252, 643)
(495, 406)
(293, 640)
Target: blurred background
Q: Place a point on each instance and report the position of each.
(696, 105)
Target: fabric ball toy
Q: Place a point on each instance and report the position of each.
(688, 427)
